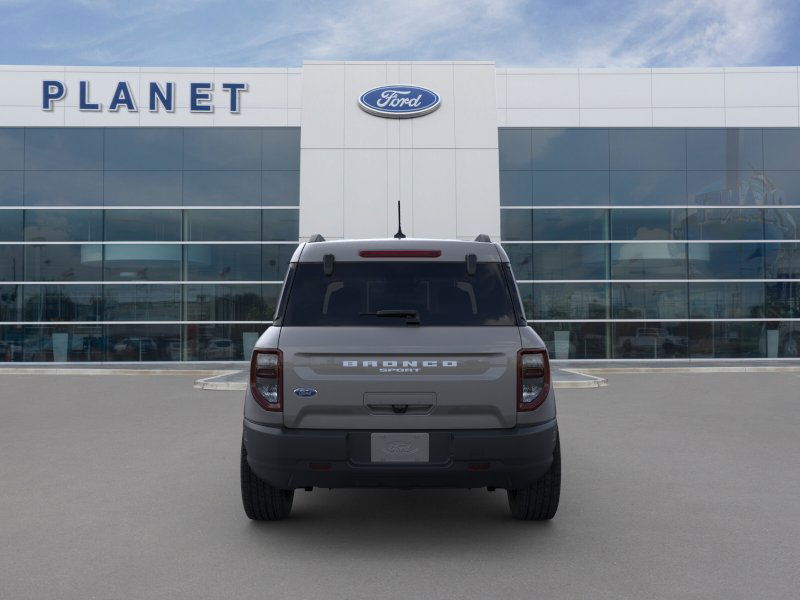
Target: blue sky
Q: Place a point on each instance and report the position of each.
(584, 33)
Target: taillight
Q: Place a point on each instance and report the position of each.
(533, 379)
(266, 378)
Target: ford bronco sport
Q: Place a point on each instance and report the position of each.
(400, 363)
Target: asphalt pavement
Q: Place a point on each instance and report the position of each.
(675, 486)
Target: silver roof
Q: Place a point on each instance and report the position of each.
(348, 250)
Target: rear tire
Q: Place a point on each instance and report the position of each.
(539, 501)
(261, 501)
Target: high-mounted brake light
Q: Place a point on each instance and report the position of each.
(533, 385)
(400, 253)
(266, 378)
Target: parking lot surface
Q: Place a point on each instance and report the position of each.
(675, 486)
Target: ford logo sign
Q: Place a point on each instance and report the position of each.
(305, 392)
(399, 101)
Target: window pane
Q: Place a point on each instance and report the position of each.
(280, 148)
(221, 148)
(648, 224)
(730, 188)
(648, 261)
(143, 342)
(521, 258)
(11, 341)
(142, 225)
(10, 307)
(63, 188)
(722, 339)
(726, 261)
(515, 149)
(783, 299)
(238, 262)
(573, 340)
(782, 148)
(63, 262)
(63, 225)
(10, 263)
(12, 148)
(783, 187)
(516, 188)
(570, 187)
(783, 261)
(783, 340)
(11, 188)
(212, 188)
(223, 225)
(565, 300)
(653, 339)
(781, 223)
(62, 303)
(726, 224)
(10, 225)
(726, 300)
(516, 225)
(280, 225)
(280, 188)
(648, 149)
(276, 259)
(63, 148)
(142, 302)
(648, 187)
(143, 148)
(143, 188)
(146, 262)
(573, 224)
(724, 149)
(221, 342)
(230, 302)
(637, 300)
(570, 149)
(570, 261)
(62, 343)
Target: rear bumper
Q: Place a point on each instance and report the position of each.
(504, 458)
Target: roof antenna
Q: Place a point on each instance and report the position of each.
(399, 235)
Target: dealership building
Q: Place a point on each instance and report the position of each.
(148, 214)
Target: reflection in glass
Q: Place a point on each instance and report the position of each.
(142, 225)
(280, 148)
(732, 188)
(783, 299)
(11, 264)
(726, 224)
(516, 188)
(648, 261)
(221, 342)
(234, 262)
(650, 339)
(63, 262)
(570, 149)
(514, 149)
(782, 260)
(212, 188)
(782, 148)
(648, 149)
(783, 187)
(727, 300)
(62, 303)
(143, 148)
(222, 225)
(565, 300)
(557, 188)
(783, 340)
(11, 188)
(63, 188)
(10, 225)
(10, 304)
(12, 148)
(62, 343)
(724, 149)
(280, 188)
(638, 300)
(280, 224)
(230, 302)
(142, 302)
(573, 340)
(222, 148)
(648, 224)
(63, 225)
(570, 261)
(521, 258)
(721, 339)
(142, 188)
(63, 148)
(139, 342)
(147, 262)
(726, 261)
(648, 187)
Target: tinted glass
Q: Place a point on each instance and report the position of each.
(235, 262)
(570, 188)
(10, 225)
(565, 300)
(782, 260)
(61, 343)
(11, 266)
(514, 149)
(276, 260)
(280, 188)
(730, 188)
(63, 188)
(222, 225)
(782, 299)
(521, 258)
(142, 225)
(516, 188)
(648, 149)
(573, 340)
(552, 225)
(783, 187)
(726, 224)
(146, 262)
(63, 225)
(280, 147)
(570, 261)
(726, 261)
(62, 303)
(63, 148)
(143, 342)
(142, 302)
(280, 225)
(211, 188)
(11, 189)
(221, 148)
(221, 342)
(724, 149)
(230, 302)
(10, 305)
(652, 339)
(726, 300)
(648, 187)
(143, 188)
(727, 340)
(12, 148)
(648, 261)
(648, 224)
(441, 294)
(782, 149)
(143, 148)
(570, 149)
(63, 262)
(637, 300)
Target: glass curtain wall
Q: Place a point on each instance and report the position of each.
(655, 243)
(143, 244)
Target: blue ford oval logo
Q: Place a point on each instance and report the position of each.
(399, 101)
(305, 392)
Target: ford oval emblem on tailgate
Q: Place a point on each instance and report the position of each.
(305, 392)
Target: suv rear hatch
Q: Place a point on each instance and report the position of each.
(391, 344)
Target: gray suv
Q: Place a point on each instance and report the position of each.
(400, 363)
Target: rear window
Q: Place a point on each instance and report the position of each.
(440, 293)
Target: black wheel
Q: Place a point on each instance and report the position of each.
(539, 501)
(261, 501)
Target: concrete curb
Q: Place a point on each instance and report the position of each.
(697, 370)
(57, 371)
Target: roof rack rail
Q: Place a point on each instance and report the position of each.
(482, 237)
(317, 237)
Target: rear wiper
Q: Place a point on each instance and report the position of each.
(412, 316)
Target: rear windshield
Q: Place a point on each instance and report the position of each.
(439, 293)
